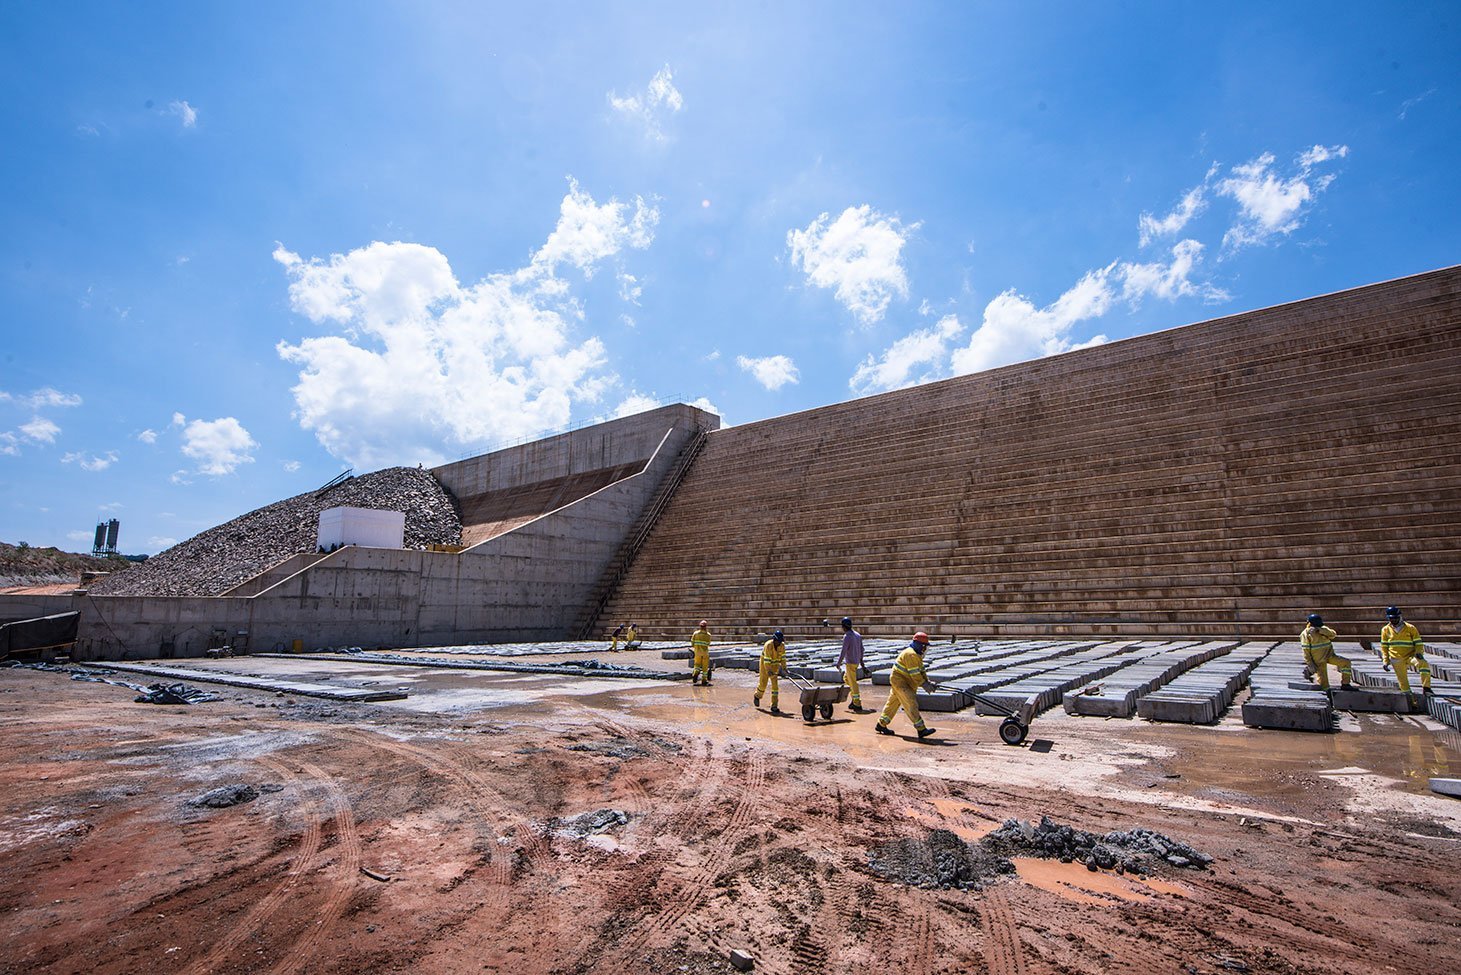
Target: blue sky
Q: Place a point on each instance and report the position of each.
(250, 245)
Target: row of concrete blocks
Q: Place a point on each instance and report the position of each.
(1116, 696)
(1278, 700)
(1202, 695)
(1047, 688)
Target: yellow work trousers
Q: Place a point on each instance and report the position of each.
(1402, 661)
(772, 673)
(905, 696)
(1319, 660)
(852, 683)
(615, 645)
(702, 665)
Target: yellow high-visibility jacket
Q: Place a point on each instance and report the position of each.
(909, 668)
(774, 653)
(1320, 639)
(1404, 641)
(700, 640)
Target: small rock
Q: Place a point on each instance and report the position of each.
(225, 796)
(741, 961)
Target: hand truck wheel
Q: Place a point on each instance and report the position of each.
(1011, 732)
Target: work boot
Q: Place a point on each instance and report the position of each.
(882, 729)
(1426, 691)
(925, 732)
(756, 700)
(776, 710)
(855, 707)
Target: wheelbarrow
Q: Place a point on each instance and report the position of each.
(818, 697)
(1016, 723)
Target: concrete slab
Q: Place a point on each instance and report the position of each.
(302, 688)
(1382, 702)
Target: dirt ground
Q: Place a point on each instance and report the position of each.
(434, 835)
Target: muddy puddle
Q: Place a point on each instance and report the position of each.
(1074, 882)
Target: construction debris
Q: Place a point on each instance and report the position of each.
(940, 861)
(173, 694)
(590, 823)
(225, 796)
(1137, 850)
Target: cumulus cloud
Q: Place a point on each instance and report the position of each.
(92, 463)
(290, 466)
(159, 542)
(1014, 329)
(148, 436)
(41, 398)
(772, 371)
(9, 444)
(1169, 281)
(916, 358)
(652, 107)
(426, 366)
(635, 402)
(217, 446)
(858, 255)
(1272, 204)
(185, 113)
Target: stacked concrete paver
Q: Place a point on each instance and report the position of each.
(1279, 699)
(1116, 695)
(1201, 695)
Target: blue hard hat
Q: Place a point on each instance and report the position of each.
(1315, 619)
(847, 622)
(1392, 612)
(778, 636)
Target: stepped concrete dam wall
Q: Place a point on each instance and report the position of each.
(1219, 479)
(1225, 478)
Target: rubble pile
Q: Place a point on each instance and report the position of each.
(942, 860)
(211, 563)
(1137, 850)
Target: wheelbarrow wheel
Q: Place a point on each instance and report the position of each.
(1011, 732)
(826, 710)
(809, 712)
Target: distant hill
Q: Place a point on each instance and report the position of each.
(24, 565)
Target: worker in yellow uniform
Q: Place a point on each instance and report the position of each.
(1318, 643)
(908, 676)
(700, 645)
(1400, 646)
(773, 665)
(631, 637)
(618, 635)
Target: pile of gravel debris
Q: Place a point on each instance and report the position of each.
(220, 558)
(942, 860)
(1137, 850)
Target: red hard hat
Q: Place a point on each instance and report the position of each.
(704, 623)
(920, 637)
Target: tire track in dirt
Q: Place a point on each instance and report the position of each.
(498, 876)
(1316, 936)
(1003, 952)
(264, 908)
(694, 890)
(347, 843)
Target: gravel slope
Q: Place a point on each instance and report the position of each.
(211, 563)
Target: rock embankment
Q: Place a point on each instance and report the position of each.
(211, 563)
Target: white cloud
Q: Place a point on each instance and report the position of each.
(1410, 103)
(654, 106)
(9, 444)
(1193, 202)
(290, 466)
(112, 506)
(712, 356)
(41, 398)
(634, 403)
(92, 131)
(219, 446)
(918, 357)
(427, 367)
(80, 536)
(186, 113)
(1169, 281)
(93, 463)
(148, 436)
(858, 255)
(587, 233)
(702, 403)
(160, 542)
(178, 420)
(772, 371)
(40, 430)
(1271, 205)
(629, 288)
(1014, 329)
